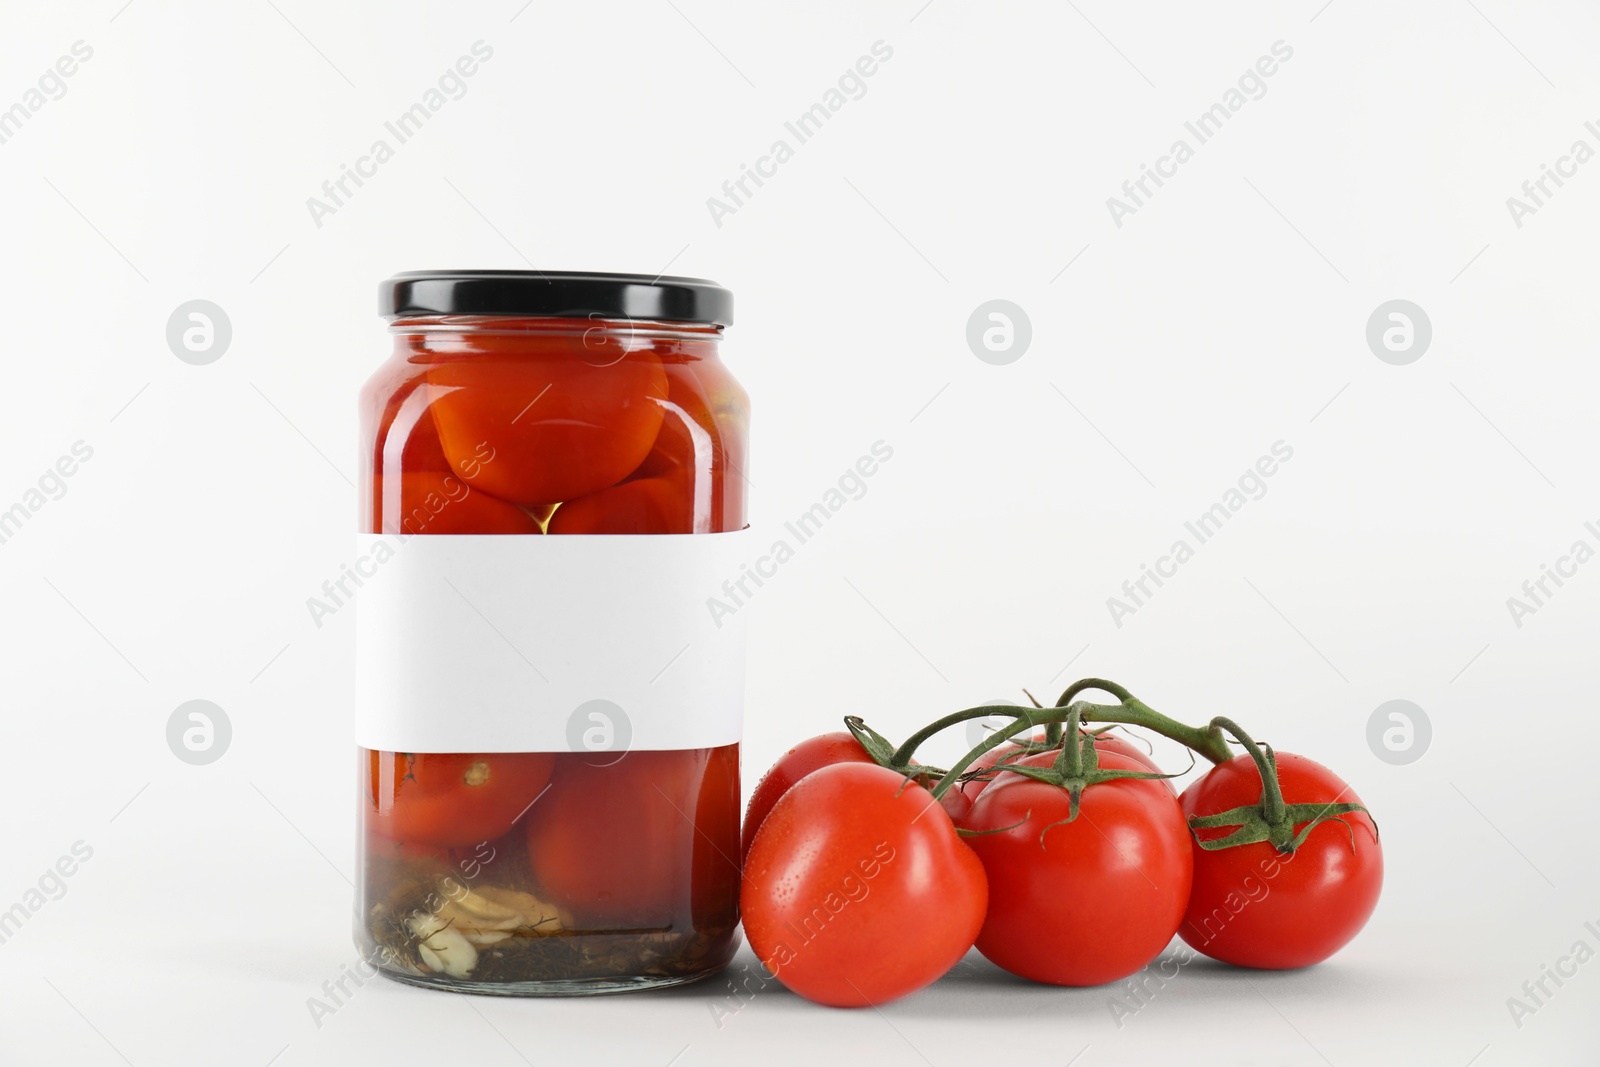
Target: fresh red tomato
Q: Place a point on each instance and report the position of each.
(1007, 751)
(823, 750)
(559, 427)
(956, 804)
(1123, 745)
(1085, 902)
(634, 843)
(1104, 742)
(452, 800)
(857, 889)
(1257, 907)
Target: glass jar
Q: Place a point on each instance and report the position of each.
(549, 725)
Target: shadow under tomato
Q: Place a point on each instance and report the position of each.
(977, 989)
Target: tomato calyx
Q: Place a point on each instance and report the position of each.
(1065, 719)
(936, 781)
(884, 753)
(1077, 768)
(1270, 819)
(1033, 747)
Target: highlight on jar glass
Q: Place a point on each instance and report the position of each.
(549, 694)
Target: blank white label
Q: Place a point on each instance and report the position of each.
(529, 643)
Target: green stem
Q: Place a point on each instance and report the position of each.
(1272, 806)
(1207, 740)
(1052, 731)
(903, 754)
(1026, 720)
(1070, 762)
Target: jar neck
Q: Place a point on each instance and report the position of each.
(602, 339)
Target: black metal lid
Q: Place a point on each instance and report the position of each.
(555, 294)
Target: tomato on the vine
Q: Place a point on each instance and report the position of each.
(956, 804)
(824, 750)
(1123, 745)
(1104, 741)
(1086, 901)
(857, 889)
(1255, 906)
(451, 800)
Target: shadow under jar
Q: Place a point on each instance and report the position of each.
(548, 704)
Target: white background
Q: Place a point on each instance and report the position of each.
(1225, 315)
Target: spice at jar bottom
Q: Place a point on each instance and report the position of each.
(549, 702)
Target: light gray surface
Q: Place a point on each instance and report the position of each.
(1228, 313)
